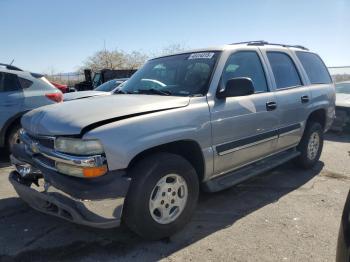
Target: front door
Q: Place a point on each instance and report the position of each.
(244, 128)
(11, 97)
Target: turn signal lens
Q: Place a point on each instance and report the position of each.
(94, 171)
(83, 172)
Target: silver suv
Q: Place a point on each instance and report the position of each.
(21, 91)
(207, 119)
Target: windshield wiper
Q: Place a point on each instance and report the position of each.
(154, 91)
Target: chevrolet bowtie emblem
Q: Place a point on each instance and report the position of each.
(34, 147)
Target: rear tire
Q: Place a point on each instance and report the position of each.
(13, 136)
(310, 146)
(162, 184)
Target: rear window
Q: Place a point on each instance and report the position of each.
(284, 70)
(44, 79)
(314, 67)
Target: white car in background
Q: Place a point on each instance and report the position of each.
(105, 89)
(342, 119)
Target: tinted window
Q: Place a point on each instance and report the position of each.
(314, 67)
(25, 83)
(1, 82)
(284, 70)
(8, 82)
(246, 64)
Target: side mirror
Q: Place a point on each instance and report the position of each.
(240, 86)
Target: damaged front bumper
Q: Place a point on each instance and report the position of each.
(94, 202)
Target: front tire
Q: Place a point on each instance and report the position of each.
(13, 137)
(310, 146)
(162, 196)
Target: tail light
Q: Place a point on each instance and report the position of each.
(56, 97)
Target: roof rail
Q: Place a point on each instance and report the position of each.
(11, 67)
(262, 43)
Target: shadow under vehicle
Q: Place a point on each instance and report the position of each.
(343, 248)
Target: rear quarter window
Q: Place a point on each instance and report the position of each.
(25, 83)
(314, 68)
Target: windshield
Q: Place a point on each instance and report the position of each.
(343, 88)
(108, 86)
(178, 75)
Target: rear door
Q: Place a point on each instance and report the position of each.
(292, 95)
(11, 97)
(243, 128)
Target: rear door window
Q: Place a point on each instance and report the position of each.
(284, 70)
(314, 68)
(9, 82)
(1, 82)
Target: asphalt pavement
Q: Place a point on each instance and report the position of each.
(287, 214)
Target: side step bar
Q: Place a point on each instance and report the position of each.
(244, 173)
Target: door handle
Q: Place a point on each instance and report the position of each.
(305, 99)
(271, 106)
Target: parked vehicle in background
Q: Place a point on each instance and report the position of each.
(343, 247)
(62, 88)
(102, 90)
(208, 118)
(101, 77)
(21, 91)
(110, 85)
(342, 109)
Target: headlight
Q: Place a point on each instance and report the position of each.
(87, 172)
(78, 146)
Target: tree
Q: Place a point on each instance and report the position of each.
(116, 59)
(172, 49)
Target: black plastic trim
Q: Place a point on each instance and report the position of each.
(288, 129)
(256, 138)
(245, 141)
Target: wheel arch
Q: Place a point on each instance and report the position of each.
(16, 119)
(318, 115)
(188, 149)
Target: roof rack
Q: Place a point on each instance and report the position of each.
(11, 67)
(262, 43)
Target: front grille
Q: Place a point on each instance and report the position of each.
(44, 142)
(45, 161)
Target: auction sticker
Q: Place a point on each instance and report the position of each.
(204, 55)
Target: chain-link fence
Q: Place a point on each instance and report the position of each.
(67, 78)
(340, 73)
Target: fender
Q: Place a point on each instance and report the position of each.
(6, 126)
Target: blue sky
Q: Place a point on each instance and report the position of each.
(44, 34)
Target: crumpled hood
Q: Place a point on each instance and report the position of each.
(83, 94)
(342, 100)
(71, 117)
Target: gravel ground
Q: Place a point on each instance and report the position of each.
(284, 215)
